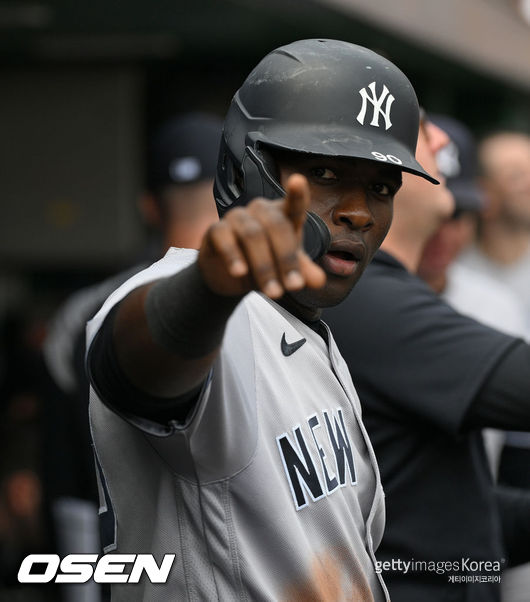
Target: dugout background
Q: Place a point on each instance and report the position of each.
(82, 85)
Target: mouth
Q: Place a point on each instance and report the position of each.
(343, 257)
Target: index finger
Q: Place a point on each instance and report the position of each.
(297, 197)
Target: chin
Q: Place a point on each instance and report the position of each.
(332, 293)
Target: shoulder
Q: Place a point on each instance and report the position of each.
(386, 274)
(398, 317)
(384, 292)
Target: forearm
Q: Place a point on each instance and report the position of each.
(167, 334)
(504, 400)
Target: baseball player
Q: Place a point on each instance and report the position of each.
(226, 426)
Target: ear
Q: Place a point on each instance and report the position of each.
(150, 210)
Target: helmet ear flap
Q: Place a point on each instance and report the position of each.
(229, 184)
(238, 183)
(260, 175)
(270, 165)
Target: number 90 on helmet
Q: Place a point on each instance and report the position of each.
(324, 97)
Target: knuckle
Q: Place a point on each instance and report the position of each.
(289, 258)
(237, 214)
(252, 230)
(276, 219)
(218, 231)
(263, 271)
(219, 226)
(259, 204)
(226, 247)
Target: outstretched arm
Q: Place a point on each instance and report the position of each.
(167, 334)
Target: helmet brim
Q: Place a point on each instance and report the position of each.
(342, 142)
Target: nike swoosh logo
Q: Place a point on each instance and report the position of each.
(290, 348)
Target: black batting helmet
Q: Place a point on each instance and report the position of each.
(324, 97)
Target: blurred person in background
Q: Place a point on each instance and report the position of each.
(177, 207)
(470, 292)
(430, 379)
(462, 287)
(181, 161)
(502, 249)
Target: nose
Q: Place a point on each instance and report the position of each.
(352, 210)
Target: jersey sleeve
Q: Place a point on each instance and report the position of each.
(108, 383)
(410, 353)
(218, 436)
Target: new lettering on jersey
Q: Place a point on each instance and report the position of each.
(300, 469)
(340, 443)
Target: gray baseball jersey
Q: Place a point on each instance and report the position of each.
(269, 491)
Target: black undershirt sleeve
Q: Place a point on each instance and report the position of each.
(503, 401)
(514, 510)
(185, 316)
(115, 389)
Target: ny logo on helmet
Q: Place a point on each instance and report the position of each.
(377, 104)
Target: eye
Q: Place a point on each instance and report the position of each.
(382, 189)
(323, 173)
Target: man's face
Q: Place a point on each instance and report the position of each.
(423, 205)
(507, 163)
(355, 199)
